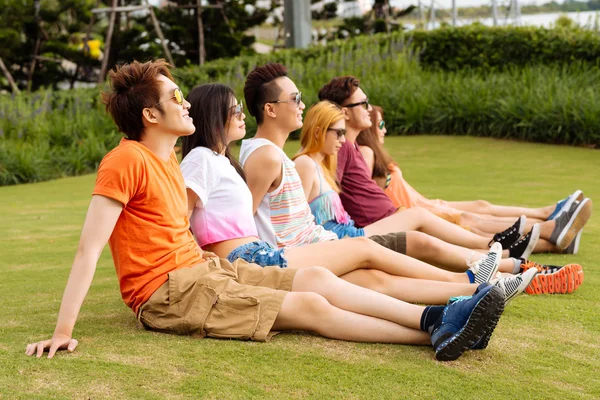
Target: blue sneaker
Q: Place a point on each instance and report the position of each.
(466, 320)
(565, 204)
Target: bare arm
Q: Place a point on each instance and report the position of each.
(193, 200)
(100, 221)
(308, 174)
(369, 157)
(263, 173)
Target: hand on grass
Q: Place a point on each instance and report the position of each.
(58, 342)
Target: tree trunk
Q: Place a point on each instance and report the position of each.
(201, 50)
(109, 33)
(8, 76)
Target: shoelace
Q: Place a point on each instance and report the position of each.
(458, 299)
(498, 237)
(542, 269)
(518, 242)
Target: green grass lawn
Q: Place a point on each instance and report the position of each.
(544, 346)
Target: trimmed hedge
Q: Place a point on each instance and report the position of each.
(498, 48)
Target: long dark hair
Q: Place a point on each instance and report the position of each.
(210, 106)
(369, 138)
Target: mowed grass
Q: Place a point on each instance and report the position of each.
(544, 346)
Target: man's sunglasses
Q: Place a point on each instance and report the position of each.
(177, 95)
(381, 125)
(297, 99)
(339, 132)
(238, 110)
(360, 103)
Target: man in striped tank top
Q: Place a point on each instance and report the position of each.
(281, 211)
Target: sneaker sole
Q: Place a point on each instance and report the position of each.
(522, 222)
(535, 236)
(575, 224)
(484, 341)
(481, 322)
(565, 280)
(575, 244)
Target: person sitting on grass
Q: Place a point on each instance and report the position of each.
(222, 221)
(282, 214)
(321, 138)
(478, 215)
(139, 207)
(367, 203)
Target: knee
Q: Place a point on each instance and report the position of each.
(314, 305)
(418, 243)
(482, 204)
(365, 250)
(373, 279)
(315, 275)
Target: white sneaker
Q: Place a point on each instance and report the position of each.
(515, 284)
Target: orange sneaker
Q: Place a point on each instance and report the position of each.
(553, 279)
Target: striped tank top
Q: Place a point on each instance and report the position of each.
(283, 217)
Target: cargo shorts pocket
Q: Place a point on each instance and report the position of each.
(234, 317)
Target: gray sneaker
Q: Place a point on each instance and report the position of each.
(570, 223)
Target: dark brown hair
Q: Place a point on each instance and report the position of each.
(134, 87)
(339, 89)
(211, 109)
(260, 88)
(369, 138)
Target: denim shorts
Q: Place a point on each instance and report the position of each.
(259, 252)
(344, 230)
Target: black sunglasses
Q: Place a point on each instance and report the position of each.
(297, 99)
(360, 103)
(339, 132)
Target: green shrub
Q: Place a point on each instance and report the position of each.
(50, 134)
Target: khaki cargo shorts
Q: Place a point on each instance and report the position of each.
(219, 299)
(394, 241)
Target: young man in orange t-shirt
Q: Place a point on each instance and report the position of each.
(139, 207)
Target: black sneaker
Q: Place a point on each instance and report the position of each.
(524, 246)
(570, 223)
(510, 235)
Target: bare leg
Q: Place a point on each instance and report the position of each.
(445, 255)
(347, 255)
(311, 312)
(419, 219)
(337, 308)
(408, 289)
(485, 207)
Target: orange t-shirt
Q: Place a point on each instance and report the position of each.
(151, 237)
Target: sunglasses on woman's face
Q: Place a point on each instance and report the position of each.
(339, 132)
(238, 110)
(177, 95)
(381, 125)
